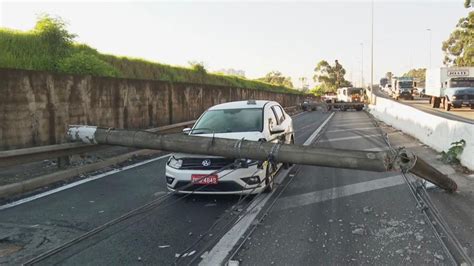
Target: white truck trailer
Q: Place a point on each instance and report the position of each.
(451, 87)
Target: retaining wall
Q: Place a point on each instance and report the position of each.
(36, 107)
(434, 131)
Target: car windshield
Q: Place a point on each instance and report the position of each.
(354, 91)
(230, 120)
(469, 91)
(462, 83)
(406, 85)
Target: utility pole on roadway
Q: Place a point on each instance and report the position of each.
(262, 151)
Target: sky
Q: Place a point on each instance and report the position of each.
(258, 37)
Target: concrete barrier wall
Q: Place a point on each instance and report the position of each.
(434, 131)
(36, 107)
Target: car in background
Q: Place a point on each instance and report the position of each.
(249, 120)
(459, 97)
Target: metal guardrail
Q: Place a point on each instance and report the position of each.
(20, 156)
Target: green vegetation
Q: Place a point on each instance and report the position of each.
(418, 74)
(329, 77)
(50, 47)
(277, 78)
(452, 155)
(459, 47)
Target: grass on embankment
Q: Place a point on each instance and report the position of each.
(46, 51)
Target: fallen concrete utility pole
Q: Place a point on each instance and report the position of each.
(284, 153)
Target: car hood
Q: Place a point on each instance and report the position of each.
(459, 91)
(254, 136)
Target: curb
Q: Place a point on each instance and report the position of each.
(45, 180)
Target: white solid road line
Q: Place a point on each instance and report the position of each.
(345, 125)
(354, 137)
(221, 250)
(350, 129)
(337, 192)
(318, 130)
(80, 182)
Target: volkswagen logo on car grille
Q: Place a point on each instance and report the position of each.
(206, 162)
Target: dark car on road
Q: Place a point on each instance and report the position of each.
(459, 97)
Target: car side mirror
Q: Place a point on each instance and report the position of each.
(187, 130)
(277, 129)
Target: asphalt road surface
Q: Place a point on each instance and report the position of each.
(329, 216)
(151, 237)
(464, 114)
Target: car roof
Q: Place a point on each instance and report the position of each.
(241, 105)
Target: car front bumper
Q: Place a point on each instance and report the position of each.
(229, 181)
(462, 102)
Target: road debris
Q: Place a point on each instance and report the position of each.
(367, 209)
(438, 256)
(358, 231)
(418, 236)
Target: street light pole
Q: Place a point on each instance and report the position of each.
(362, 65)
(429, 47)
(372, 51)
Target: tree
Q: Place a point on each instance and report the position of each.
(330, 77)
(319, 90)
(53, 29)
(459, 47)
(277, 78)
(58, 41)
(304, 84)
(198, 67)
(418, 74)
(467, 3)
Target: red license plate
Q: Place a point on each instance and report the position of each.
(204, 179)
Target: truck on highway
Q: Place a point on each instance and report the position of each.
(350, 95)
(451, 87)
(402, 87)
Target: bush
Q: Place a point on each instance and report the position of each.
(83, 63)
(453, 153)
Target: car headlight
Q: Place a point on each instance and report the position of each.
(454, 97)
(175, 163)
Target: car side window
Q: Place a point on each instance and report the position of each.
(272, 116)
(278, 113)
(282, 113)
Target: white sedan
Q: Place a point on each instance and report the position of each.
(249, 120)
